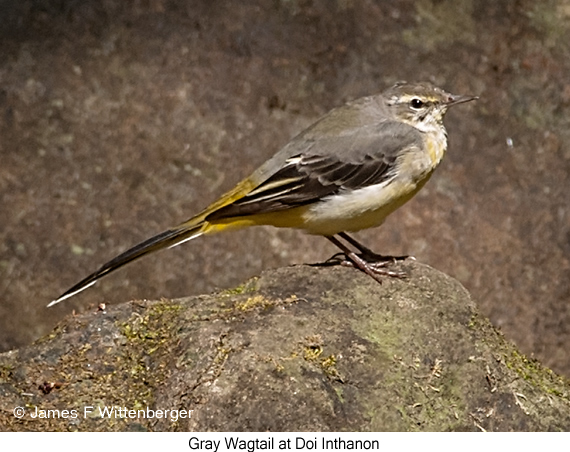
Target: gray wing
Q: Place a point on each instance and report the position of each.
(327, 166)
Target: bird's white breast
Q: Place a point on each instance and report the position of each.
(357, 209)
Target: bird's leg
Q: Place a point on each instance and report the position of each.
(358, 261)
(368, 254)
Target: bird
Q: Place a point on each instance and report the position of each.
(346, 172)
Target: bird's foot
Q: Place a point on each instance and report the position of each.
(377, 268)
(374, 265)
(374, 258)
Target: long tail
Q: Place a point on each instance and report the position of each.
(166, 239)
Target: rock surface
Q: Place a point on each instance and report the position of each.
(300, 348)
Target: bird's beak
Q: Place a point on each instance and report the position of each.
(454, 100)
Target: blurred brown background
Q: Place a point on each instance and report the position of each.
(121, 118)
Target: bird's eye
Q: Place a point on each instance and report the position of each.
(416, 103)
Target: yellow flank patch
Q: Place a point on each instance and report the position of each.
(291, 218)
(358, 210)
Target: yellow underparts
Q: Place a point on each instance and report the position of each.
(345, 212)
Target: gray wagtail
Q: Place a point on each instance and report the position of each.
(346, 172)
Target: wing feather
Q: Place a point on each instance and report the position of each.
(328, 166)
